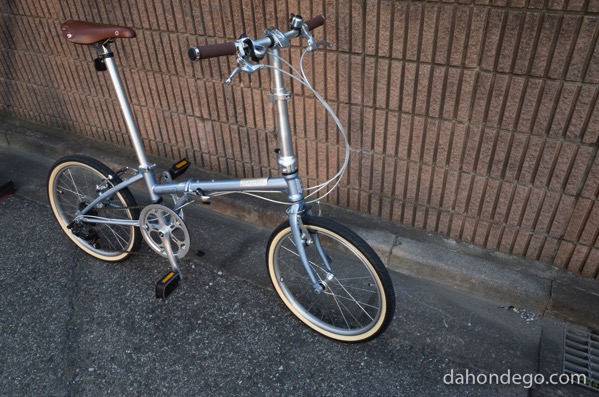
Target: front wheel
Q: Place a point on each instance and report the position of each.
(358, 300)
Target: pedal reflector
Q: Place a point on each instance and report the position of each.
(167, 284)
(179, 168)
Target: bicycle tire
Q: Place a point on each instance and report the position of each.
(73, 184)
(358, 302)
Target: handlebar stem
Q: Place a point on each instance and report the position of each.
(287, 160)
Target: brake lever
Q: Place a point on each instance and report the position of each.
(243, 65)
(312, 44)
(324, 43)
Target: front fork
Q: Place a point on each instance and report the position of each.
(302, 239)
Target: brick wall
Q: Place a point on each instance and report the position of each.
(474, 119)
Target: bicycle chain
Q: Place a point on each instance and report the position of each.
(136, 253)
(138, 207)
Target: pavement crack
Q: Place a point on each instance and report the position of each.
(548, 302)
(396, 242)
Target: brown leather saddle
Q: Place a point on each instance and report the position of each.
(82, 32)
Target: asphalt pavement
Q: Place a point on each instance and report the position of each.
(75, 326)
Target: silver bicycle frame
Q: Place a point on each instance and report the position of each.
(290, 183)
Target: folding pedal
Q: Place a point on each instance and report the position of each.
(179, 168)
(167, 284)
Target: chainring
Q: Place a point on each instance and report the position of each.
(158, 221)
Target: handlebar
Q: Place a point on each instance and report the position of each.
(315, 22)
(211, 51)
(230, 48)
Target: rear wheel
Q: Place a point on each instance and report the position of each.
(74, 182)
(358, 300)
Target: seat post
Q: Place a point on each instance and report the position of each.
(108, 57)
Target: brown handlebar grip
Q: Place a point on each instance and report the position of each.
(211, 51)
(315, 22)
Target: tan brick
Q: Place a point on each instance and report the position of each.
(386, 208)
(460, 31)
(570, 25)
(450, 190)
(586, 101)
(548, 158)
(533, 208)
(424, 184)
(580, 161)
(357, 43)
(481, 98)
(507, 240)
(409, 89)
(395, 93)
(476, 196)
(414, 15)
(400, 185)
(510, 42)
(527, 46)
(566, 102)
(474, 136)
(494, 236)
(591, 186)
(517, 205)
(417, 139)
(420, 217)
(370, 76)
(443, 224)
(457, 221)
(409, 214)
(591, 135)
(535, 247)
(469, 229)
(467, 95)
(429, 33)
(450, 99)
(400, 26)
(475, 43)
(512, 106)
(463, 193)
(423, 81)
(591, 267)
(578, 218)
(549, 251)
(480, 233)
(382, 84)
(397, 212)
(590, 229)
(412, 182)
(367, 129)
(385, 28)
(487, 151)
(391, 134)
(490, 199)
(492, 37)
(578, 258)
